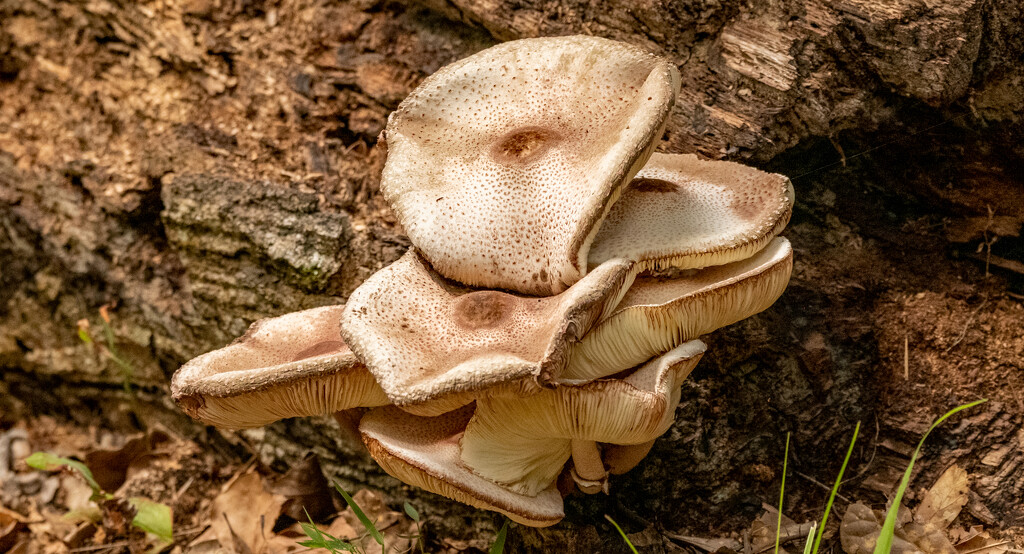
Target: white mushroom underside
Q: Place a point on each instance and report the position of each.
(287, 366)
(683, 212)
(657, 314)
(523, 443)
(500, 165)
(424, 452)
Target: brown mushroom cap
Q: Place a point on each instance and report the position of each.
(656, 314)
(500, 166)
(433, 345)
(683, 212)
(424, 452)
(288, 366)
(524, 442)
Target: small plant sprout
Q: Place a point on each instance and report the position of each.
(621, 532)
(884, 544)
(782, 491)
(498, 546)
(152, 517)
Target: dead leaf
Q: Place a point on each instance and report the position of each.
(242, 516)
(110, 467)
(11, 525)
(306, 490)
(929, 538)
(859, 530)
(978, 541)
(943, 502)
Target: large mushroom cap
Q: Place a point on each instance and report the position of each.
(424, 452)
(683, 212)
(523, 443)
(433, 344)
(501, 165)
(657, 313)
(288, 366)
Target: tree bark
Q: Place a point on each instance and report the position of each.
(199, 165)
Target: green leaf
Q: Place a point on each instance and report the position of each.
(621, 532)
(361, 515)
(782, 490)
(153, 517)
(411, 512)
(83, 335)
(47, 461)
(498, 547)
(884, 544)
(835, 490)
(809, 543)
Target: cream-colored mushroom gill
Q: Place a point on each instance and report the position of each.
(659, 313)
(523, 443)
(288, 366)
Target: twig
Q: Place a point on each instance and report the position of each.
(987, 546)
(906, 357)
(100, 547)
(967, 326)
(826, 487)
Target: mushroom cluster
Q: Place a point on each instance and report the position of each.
(538, 331)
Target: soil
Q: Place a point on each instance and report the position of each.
(120, 121)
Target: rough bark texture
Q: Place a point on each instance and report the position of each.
(200, 164)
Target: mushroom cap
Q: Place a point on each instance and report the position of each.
(424, 452)
(523, 443)
(434, 345)
(683, 212)
(288, 366)
(656, 314)
(500, 166)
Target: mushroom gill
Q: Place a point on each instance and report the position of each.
(288, 366)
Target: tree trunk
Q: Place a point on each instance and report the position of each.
(197, 165)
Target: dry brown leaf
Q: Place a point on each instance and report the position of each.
(306, 490)
(242, 516)
(929, 538)
(859, 530)
(11, 525)
(110, 467)
(943, 502)
(978, 541)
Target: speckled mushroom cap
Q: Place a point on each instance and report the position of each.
(424, 452)
(433, 345)
(523, 443)
(500, 166)
(683, 212)
(658, 313)
(288, 366)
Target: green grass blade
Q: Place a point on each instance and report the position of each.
(621, 532)
(782, 490)
(499, 541)
(370, 527)
(809, 543)
(884, 544)
(835, 490)
(411, 512)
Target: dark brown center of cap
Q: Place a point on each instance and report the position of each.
(523, 145)
(321, 348)
(483, 309)
(644, 184)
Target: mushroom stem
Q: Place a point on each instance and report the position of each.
(621, 458)
(348, 424)
(587, 468)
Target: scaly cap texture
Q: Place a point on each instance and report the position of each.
(501, 165)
